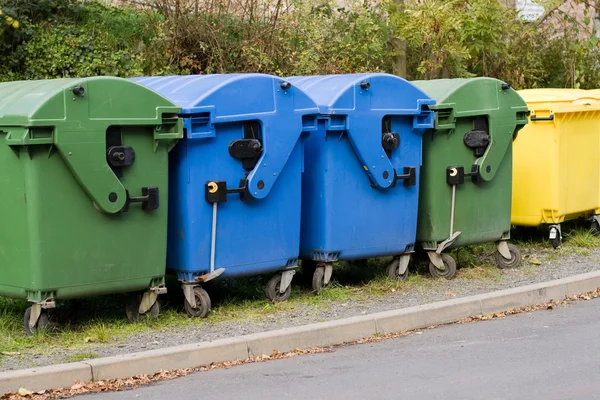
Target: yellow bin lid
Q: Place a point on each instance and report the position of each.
(553, 98)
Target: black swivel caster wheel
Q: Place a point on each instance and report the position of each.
(272, 289)
(41, 324)
(448, 273)
(132, 308)
(203, 304)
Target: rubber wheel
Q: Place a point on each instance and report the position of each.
(272, 289)
(556, 242)
(133, 305)
(450, 270)
(318, 279)
(41, 324)
(515, 258)
(203, 304)
(392, 271)
(595, 228)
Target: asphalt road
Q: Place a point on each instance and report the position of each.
(539, 355)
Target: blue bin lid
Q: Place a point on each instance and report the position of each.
(357, 103)
(228, 94)
(335, 94)
(283, 111)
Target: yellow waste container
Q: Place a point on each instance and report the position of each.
(556, 166)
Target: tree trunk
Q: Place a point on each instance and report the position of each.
(399, 60)
(597, 19)
(399, 47)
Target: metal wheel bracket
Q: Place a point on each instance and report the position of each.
(436, 259)
(211, 275)
(286, 280)
(446, 243)
(188, 293)
(503, 249)
(596, 217)
(555, 229)
(36, 311)
(328, 273)
(403, 263)
(148, 300)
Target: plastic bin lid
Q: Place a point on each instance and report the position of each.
(227, 94)
(338, 93)
(559, 98)
(535, 96)
(467, 96)
(50, 102)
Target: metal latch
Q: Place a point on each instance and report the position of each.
(247, 150)
(456, 175)
(149, 199)
(217, 191)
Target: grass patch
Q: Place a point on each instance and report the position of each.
(482, 272)
(76, 357)
(581, 237)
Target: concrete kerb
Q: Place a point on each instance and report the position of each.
(43, 378)
(288, 339)
(170, 358)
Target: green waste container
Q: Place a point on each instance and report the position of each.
(466, 174)
(84, 192)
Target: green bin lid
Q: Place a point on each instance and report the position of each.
(469, 96)
(54, 102)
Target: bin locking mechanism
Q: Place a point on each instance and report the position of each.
(216, 191)
(390, 141)
(149, 199)
(247, 150)
(120, 156)
(456, 175)
(478, 141)
(409, 176)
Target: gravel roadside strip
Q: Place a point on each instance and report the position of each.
(567, 264)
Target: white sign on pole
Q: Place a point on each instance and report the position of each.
(528, 10)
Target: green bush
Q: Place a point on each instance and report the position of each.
(67, 38)
(443, 38)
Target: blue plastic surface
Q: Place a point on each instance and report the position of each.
(260, 233)
(351, 205)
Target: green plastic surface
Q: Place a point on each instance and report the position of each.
(482, 210)
(63, 237)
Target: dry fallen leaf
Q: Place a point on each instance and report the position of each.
(450, 294)
(10, 353)
(535, 261)
(24, 392)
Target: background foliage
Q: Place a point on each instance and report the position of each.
(443, 38)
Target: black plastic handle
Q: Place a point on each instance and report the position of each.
(149, 199)
(409, 176)
(550, 118)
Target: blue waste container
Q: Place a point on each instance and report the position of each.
(235, 179)
(361, 174)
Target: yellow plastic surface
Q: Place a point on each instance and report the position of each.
(556, 167)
